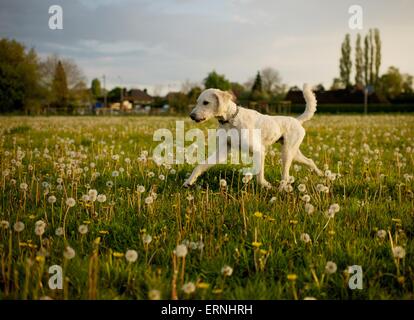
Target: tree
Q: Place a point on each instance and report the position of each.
(193, 94)
(178, 102)
(257, 92)
(218, 81)
(96, 88)
(359, 63)
(80, 95)
(257, 85)
(60, 90)
(238, 89)
(377, 39)
(393, 83)
(319, 87)
(407, 87)
(187, 85)
(19, 77)
(114, 94)
(345, 63)
(73, 72)
(74, 77)
(271, 81)
(371, 58)
(337, 84)
(366, 60)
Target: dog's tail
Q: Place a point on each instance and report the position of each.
(310, 104)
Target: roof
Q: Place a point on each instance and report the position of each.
(138, 95)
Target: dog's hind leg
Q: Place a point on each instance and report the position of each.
(299, 157)
(290, 147)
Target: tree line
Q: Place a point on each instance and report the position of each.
(29, 83)
(367, 63)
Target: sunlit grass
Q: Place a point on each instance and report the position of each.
(83, 193)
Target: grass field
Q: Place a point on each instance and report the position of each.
(233, 241)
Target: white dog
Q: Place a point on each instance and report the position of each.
(287, 130)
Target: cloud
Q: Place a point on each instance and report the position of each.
(165, 42)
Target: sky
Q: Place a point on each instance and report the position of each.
(160, 44)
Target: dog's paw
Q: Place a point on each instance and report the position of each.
(266, 184)
(187, 184)
(319, 173)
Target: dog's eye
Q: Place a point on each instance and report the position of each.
(205, 102)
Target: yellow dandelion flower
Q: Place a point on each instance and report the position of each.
(103, 232)
(203, 285)
(40, 259)
(293, 221)
(331, 232)
(32, 216)
(22, 244)
(263, 251)
(256, 244)
(86, 222)
(292, 277)
(118, 254)
(258, 214)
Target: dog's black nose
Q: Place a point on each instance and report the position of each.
(193, 116)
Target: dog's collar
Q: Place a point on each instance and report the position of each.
(222, 121)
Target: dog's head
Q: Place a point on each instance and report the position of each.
(211, 103)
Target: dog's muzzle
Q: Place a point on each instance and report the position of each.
(195, 118)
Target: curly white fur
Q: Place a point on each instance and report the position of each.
(287, 130)
(310, 104)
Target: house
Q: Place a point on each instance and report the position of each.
(138, 97)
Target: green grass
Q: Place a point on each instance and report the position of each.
(373, 155)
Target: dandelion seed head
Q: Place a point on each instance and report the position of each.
(154, 294)
(305, 237)
(227, 271)
(70, 202)
(189, 287)
(83, 229)
(18, 226)
(69, 253)
(131, 256)
(330, 267)
(398, 252)
(59, 232)
(381, 234)
(101, 198)
(181, 250)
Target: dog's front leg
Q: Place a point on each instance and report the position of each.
(217, 157)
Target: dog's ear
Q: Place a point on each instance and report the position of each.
(223, 98)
